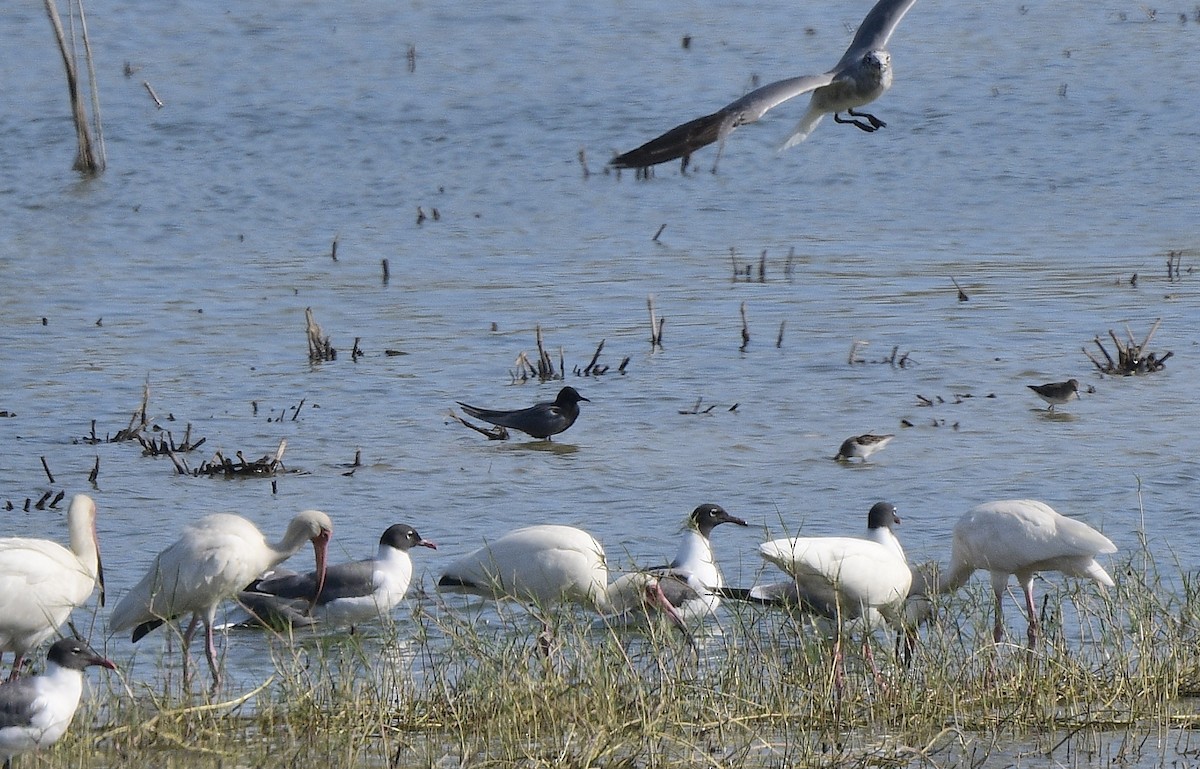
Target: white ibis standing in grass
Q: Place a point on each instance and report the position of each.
(847, 578)
(41, 581)
(35, 711)
(354, 592)
(214, 559)
(1023, 537)
(549, 564)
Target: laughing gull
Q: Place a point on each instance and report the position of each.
(1023, 537)
(541, 420)
(862, 446)
(1057, 393)
(847, 578)
(691, 582)
(862, 75)
(214, 559)
(353, 593)
(35, 711)
(41, 581)
(549, 564)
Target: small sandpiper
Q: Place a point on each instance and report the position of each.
(862, 446)
(1057, 393)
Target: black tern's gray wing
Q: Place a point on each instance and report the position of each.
(683, 140)
(875, 30)
(540, 421)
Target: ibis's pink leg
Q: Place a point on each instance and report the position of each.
(210, 651)
(998, 632)
(187, 642)
(1033, 617)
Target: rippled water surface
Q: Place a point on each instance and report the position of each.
(1040, 155)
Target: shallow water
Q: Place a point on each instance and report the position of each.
(1038, 155)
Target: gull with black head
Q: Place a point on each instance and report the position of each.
(35, 711)
(354, 592)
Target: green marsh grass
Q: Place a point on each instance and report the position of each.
(1111, 680)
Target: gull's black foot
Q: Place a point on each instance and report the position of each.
(856, 123)
(874, 121)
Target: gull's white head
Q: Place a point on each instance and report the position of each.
(880, 60)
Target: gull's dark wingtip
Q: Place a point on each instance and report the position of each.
(679, 142)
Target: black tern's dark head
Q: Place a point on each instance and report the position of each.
(401, 536)
(708, 516)
(569, 396)
(882, 516)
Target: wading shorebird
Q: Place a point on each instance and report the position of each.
(862, 446)
(1057, 393)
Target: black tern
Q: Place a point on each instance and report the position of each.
(862, 446)
(1057, 393)
(862, 75)
(541, 420)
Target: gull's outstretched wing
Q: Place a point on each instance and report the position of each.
(685, 139)
(875, 30)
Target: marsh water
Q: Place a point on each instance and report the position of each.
(1039, 155)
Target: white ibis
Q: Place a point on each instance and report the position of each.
(862, 75)
(1023, 537)
(354, 592)
(41, 581)
(35, 711)
(550, 564)
(691, 583)
(847, 578)
(862, 446)
(214, 559)
(540, 420)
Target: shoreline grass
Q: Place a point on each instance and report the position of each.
(1112, 676)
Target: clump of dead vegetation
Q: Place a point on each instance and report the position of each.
(544, 369)
(237, 467)
(1131, 358)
